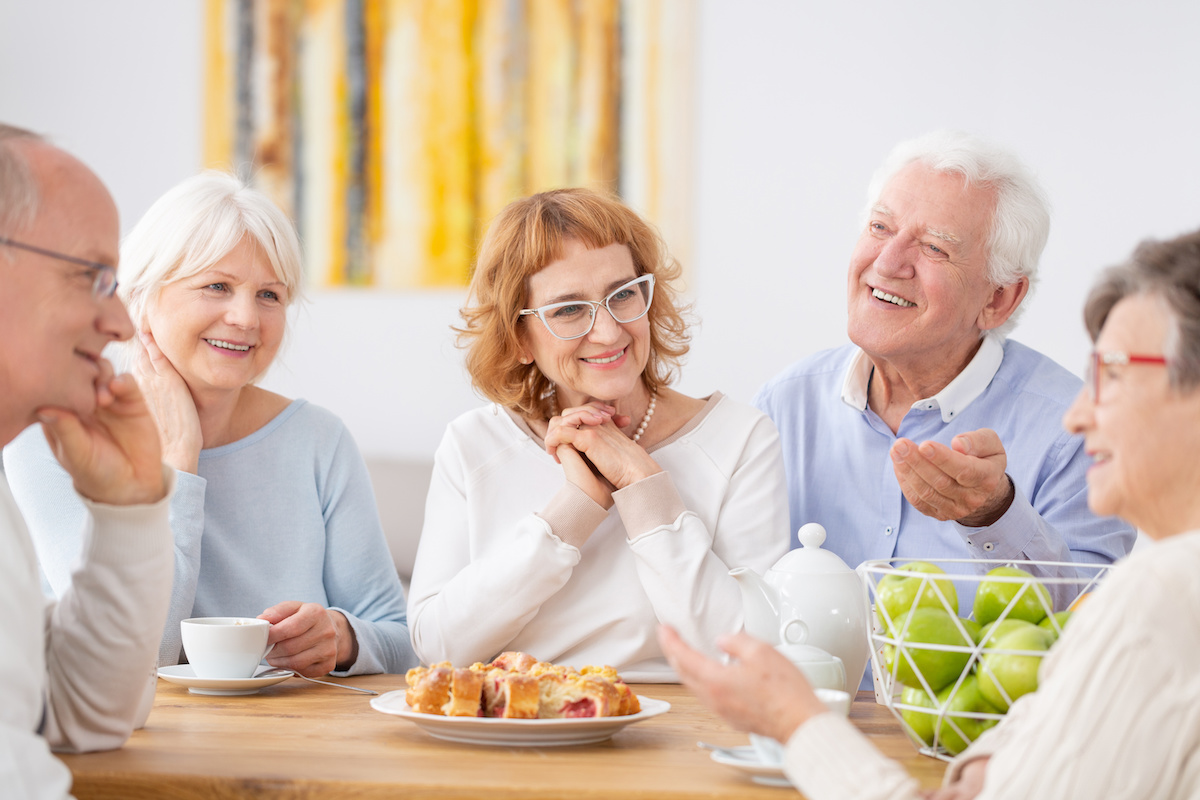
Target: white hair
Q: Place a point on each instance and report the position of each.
(18, 189)
(195, 225)
(1021, 220)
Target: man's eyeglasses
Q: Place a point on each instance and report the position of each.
(575, 318)
(104, 279)
(1100, 360)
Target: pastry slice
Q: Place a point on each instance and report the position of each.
(428, 688)
(574, 696)
(466, 694)
(510, 695)
(628, 700)
(514, 661)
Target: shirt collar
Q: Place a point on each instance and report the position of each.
(951, 400)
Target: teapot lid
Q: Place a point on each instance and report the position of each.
(806, 654)
(810, 558)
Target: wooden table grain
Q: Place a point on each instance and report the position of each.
(302, 740)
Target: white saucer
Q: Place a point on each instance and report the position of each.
(747, 760)
(184, 675)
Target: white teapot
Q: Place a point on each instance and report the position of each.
(810, 597)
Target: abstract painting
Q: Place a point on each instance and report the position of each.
(393, 130)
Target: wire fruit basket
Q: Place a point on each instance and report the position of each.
(954, 642)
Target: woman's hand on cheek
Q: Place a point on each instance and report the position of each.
(309, 638)
(171, 403)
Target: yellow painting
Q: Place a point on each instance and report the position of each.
(393, 130)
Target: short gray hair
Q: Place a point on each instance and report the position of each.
(193, 226)
(1021, 221)
(18, 189)
(1170, 271)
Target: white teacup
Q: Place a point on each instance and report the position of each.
(770, 751)
(225, 647)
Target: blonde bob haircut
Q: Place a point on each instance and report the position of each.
(192, 227)
(523, 238)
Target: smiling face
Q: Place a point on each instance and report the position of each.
(222, 327)
(1142, 435)
(54, 327)
(918, 287)
(607, 363)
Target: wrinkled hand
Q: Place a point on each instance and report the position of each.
(967, 787)
(964, 482)
(171, 403)
(113, 455)
(760, 691)
(612, 459)
(309, 638)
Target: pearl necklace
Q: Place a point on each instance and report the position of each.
(641, 428)
(646, 419)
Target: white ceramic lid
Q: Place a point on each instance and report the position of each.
(806, 654)
(810, 558)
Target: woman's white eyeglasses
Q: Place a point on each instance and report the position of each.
(575, 318)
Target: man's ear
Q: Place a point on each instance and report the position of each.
(1003, 304)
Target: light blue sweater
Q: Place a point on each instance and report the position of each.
(287, 513)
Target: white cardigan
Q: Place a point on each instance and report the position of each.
(1114, 717)
(491, 575)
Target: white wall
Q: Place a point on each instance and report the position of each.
(797, 103)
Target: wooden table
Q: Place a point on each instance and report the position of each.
(301, 740)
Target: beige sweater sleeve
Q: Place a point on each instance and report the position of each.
(102, 636)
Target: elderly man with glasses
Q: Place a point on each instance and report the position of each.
(77, 675)
(932, 436)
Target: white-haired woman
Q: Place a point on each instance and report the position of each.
(1114, 714)
(273, 515)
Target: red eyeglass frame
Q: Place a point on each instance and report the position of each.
(1110, 358)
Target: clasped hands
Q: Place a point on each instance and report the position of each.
(965, 482)
(594, 453)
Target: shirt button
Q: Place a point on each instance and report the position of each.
(888, 530)
(989, 546)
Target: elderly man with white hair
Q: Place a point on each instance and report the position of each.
(932, 435)
(78, 674)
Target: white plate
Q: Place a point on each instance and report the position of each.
(747, 760)
(517, 732)
(184, 675)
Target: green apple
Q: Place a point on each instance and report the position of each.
(1003, 675)
(993, 597)
(994, 631)
(924, 626)
(898, 594)
(955, 732)
(1056, 623)
(973, 628)
(923, 723)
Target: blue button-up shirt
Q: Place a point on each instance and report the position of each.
(836, 450)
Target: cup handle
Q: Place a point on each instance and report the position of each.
(271, 646)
